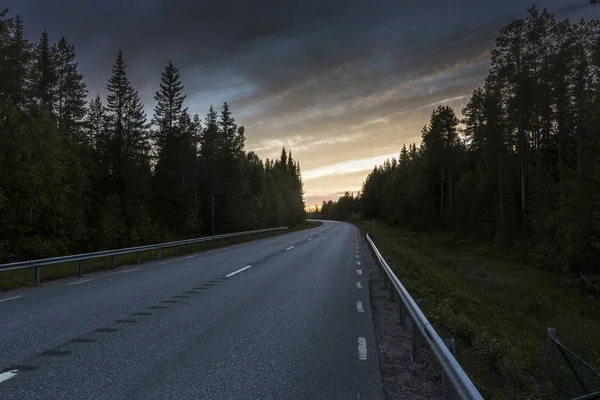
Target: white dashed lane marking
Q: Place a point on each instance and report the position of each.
(358, 285)
(83, 281)
(126, 270)
(362, 348)
(8, 374)
(289, 248)
(359, 306)
(359, 271)
(238, 271)
(11, 298)
(358, 263)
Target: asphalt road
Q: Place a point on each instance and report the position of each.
(297, 324)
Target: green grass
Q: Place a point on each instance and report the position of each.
(25, 277)
(498, 310)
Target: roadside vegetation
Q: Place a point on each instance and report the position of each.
(494, 305)
(494, 217)
(81, 173)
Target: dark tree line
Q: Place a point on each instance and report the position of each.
(523, 168)
(80, 176)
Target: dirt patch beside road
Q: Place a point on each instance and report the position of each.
(402, 379)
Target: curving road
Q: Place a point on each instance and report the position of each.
(286, 317)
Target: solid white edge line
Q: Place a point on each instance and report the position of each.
(188, 257)
(358, 263)
(362, 348)
(359, 271)
(126, 270)
(11, 298)
(359, 306)
(8, 374)
(289, 248)
(83, 281)
(359, 285)
(166, 262)
(238, 271)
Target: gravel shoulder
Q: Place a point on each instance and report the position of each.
(402, 379)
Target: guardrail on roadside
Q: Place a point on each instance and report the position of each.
(454, 379)
(36, 264)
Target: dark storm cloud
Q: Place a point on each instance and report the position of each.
(355, 76)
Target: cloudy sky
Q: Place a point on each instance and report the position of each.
(343, 84)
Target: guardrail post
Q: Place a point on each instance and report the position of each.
(401, 312)
(37, 274)
(190, 248)
(112, 262)
(158, 254)
(80, 268)
(176, 251)
(139, 257)
(416, 339)
(449, 393)
(548, 350)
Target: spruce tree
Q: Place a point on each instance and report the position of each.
(71, 92)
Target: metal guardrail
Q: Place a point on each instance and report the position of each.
(455, 380)
(36, 264)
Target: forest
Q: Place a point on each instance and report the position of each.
(81, 173)
(520, 165)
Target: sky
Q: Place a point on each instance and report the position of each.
(342, 84)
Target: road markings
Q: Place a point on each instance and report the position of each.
(188, 257)
(238, 271)
(358, 263)
(357, 256)
(8, 374)
(289, 248)
(166, 262)
(83, 281)
(11, 298)
(309, 238)
(320, 233)
(359, 271)
(359, 306)
(126, 270)
(362, 348)
(359, 285)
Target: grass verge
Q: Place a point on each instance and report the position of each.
(25, 277)
(498, 310)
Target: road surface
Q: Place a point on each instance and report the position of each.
(286, 317)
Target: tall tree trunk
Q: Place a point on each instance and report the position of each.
(212, 204)
(442, 193)
(500, 193)
(450, 188)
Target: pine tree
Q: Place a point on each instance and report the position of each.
(169, 104)
(175, 185)
(43, 74)
(71, 93)
(126, 152)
